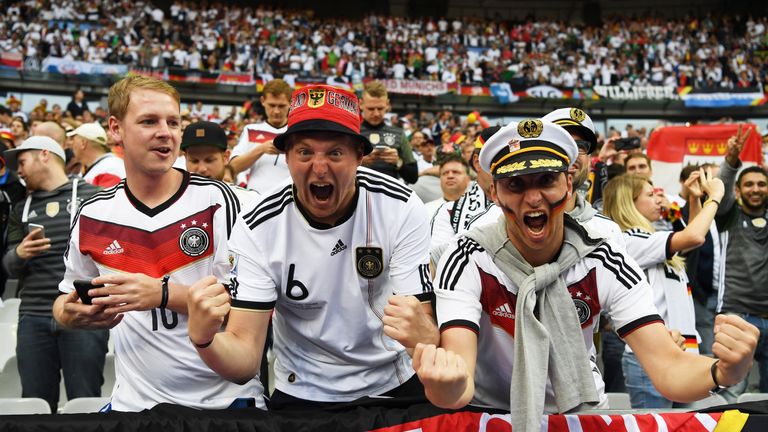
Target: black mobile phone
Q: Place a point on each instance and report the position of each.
(629, 143)
(82, 287)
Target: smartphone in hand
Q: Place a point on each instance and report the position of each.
(34, 226)
(82, 287)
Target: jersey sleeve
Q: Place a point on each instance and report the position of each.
(405, 150)
(458, 287)
(77, 265)
(251, 284)
(623, 289)
(409, 264)
(244, 145)
(223, 225)
(648, 249)
(441, 231)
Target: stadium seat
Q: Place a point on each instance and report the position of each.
(10, 382)
(713, 400)
(752, 397)
(12, 406)
(618, 401)
(84, 405)
(8, 345)
(9, 311)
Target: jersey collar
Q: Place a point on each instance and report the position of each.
(323, 226)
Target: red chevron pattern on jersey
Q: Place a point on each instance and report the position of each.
(154, 253)
(260, 136)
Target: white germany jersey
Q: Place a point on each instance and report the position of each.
(671, 293)
(186, 238)
(472, 292)
(454, 216)
(269, 170)
(106, 171)
(329, 286)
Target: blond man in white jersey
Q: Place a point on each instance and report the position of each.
(147, 239)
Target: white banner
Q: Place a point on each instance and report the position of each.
(636, 93)
(72, 67)
(424, 88)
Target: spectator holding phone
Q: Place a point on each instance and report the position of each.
(44, 348)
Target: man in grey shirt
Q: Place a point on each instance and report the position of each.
(744, 239)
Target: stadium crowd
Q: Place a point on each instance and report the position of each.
(707, 53)
(471, 243)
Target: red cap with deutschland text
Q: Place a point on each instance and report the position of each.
(323, 108)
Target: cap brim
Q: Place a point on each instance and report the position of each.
(588, 135)
(522, 165)
(320, 126)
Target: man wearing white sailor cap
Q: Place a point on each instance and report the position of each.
(524, 294)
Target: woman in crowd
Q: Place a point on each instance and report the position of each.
(630, 201)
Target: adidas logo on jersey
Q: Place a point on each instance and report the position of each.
(340, 246)
(113, 248)
(504, 311)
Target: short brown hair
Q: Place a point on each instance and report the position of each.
(631, 156)
(453, 157)
(375, 89)
(120, 92)
(277, 87)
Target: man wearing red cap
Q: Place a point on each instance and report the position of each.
(342, 239)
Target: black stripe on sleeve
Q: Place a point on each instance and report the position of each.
(636, 324)
(615, 263)
(457, 261)
(425, 279)
(267, 203)
(426, 297)
(231, 203)
(258, 306)
(637, 232)
(668, 247)
(469, 325)
(383, 190)
(375, 178)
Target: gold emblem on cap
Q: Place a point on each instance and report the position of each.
(200, 133)
(530, 128)
(316, 97)
(578, 115)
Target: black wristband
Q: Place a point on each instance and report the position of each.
(164, 288)
(203, 345)
(713, 370)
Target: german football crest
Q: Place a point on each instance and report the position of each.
(194, 241)
(369, 262)
(530, 128)
(52, 208)
(316, 98)
(389, 139)
(578, 115)
(583, 310)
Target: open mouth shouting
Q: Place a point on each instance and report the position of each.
(535, 222)
(321, 191)
(162, 151)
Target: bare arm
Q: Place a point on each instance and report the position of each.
(136, 291)
(730, 167)
(244, 161)
(696, 231)
(686, 377)
(448, 372)
(235, 354)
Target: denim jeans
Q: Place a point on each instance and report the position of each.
(44, 348)
(612, 352)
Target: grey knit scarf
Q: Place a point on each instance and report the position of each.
(548, 338)
(583, 211)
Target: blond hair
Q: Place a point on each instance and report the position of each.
(120, 93)
(277, 87)
(375, 89)
(619, 204)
